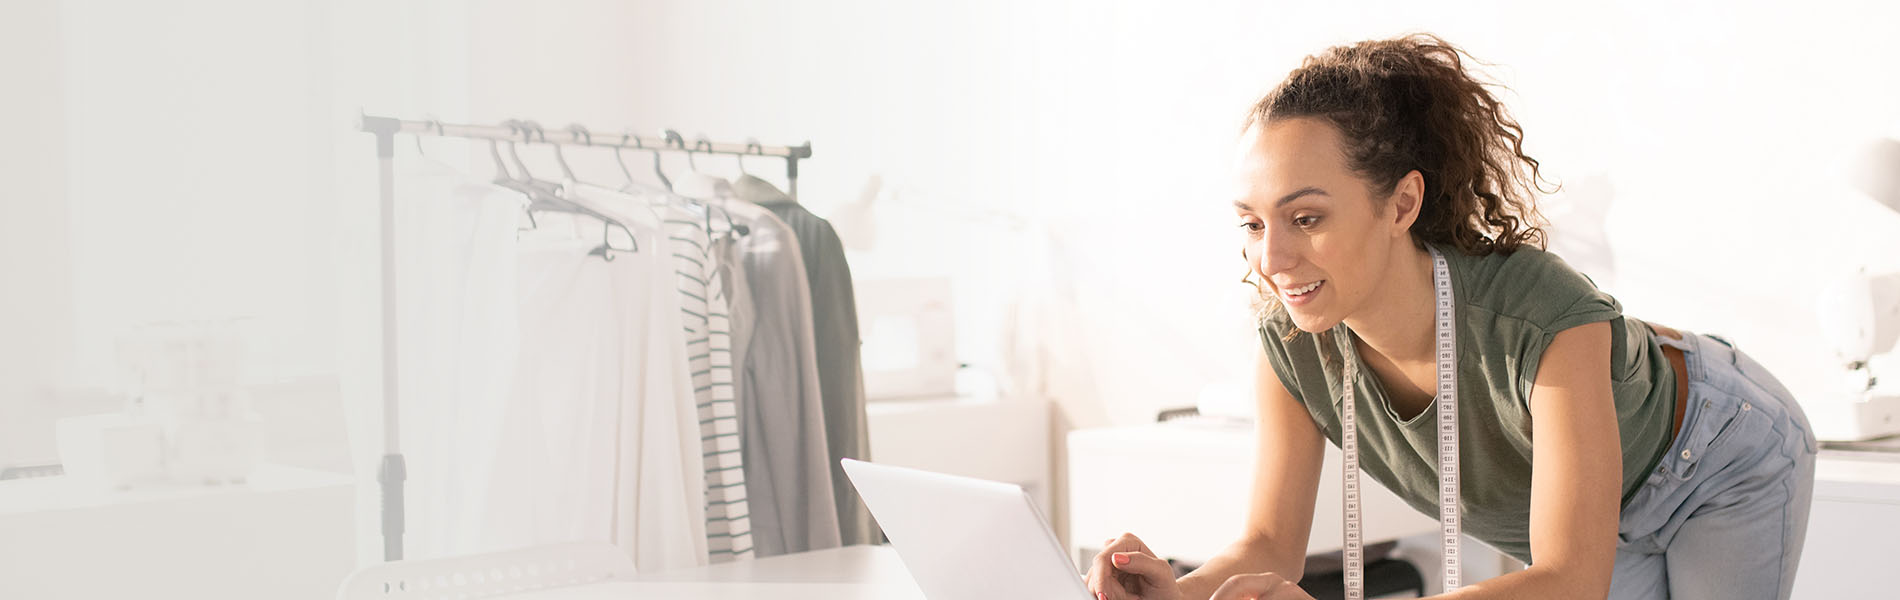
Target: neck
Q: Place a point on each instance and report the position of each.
(1396, 321)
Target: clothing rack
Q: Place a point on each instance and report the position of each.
(392, 472)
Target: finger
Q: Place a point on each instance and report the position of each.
(1126, 542)
(1102, 579)
(1121, 585)
(1261, 586)
(1152, 570)
(1112, 583)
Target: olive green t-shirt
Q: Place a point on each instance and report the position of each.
(1508, 307)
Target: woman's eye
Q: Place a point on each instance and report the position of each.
(1252, 227)
(1306, 221)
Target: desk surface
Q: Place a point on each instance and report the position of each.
(850, 564)
(848, 573)
(28, 496)
(723, 590)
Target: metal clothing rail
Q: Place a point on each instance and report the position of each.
(392, 471)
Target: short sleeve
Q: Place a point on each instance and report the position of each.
(1271, 330)
(1541, 290)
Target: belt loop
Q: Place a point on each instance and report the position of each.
(1718, 338)
(1667, 339)
(1662, 335)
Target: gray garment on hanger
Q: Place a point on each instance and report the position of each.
(840, 368)
(781, 411)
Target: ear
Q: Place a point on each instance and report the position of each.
(1406, 200)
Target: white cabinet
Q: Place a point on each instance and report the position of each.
(287, 533)
(1183, 487)
(1852, 528)
(1003, 440)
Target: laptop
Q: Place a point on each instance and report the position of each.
(967, 539)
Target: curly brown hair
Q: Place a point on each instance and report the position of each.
(1408, 103)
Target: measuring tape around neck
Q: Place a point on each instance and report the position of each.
(1446, 347)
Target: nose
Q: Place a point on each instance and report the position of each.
(1274, 252)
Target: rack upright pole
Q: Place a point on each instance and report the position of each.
(392, 472)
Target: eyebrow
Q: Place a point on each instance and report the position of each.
(1295, 195)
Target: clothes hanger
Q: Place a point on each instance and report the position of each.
(751, 145)
(678, 142)
(632, 184)
(565, 201)
(702, 141)
(547, 197)
(657, 172)
(577, 134)
(521, 179)
(699, 185)
(674, 138)
(507, 179)
(431, 124)
(674, 141)
(752, 188)
(503, 177)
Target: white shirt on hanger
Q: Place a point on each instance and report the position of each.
(543, 388)
(455, 291)
(705, 319)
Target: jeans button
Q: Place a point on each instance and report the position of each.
(1685, 455)
(1745, 406)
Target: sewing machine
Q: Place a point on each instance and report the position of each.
(1860, 318)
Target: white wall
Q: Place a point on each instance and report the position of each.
(1715, 131)
(195, 160)
(35, 265)
(1073, 153)
(206, 182)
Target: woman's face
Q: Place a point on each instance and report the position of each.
(1314, 233)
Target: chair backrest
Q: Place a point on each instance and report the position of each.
(485, 575)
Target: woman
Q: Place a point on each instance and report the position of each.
(1666, 464)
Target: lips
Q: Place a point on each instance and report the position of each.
(1304, 289)
(1302, 294)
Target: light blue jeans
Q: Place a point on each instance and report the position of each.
(1725, 512)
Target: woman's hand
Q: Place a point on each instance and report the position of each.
(1127, 570)
(1259, 586)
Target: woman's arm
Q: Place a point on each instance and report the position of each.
(1289, 453)
(1577, 474)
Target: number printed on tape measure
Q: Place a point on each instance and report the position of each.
(1447, 450)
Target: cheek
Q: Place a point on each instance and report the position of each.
(1343, 261)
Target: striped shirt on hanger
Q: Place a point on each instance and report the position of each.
(704, 307)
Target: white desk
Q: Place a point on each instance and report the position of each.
(877, 573)
(848, 573)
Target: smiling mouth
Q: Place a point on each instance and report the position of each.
(1302, 290)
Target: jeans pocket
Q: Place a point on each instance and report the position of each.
(1722, 424)
(1779, 402)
